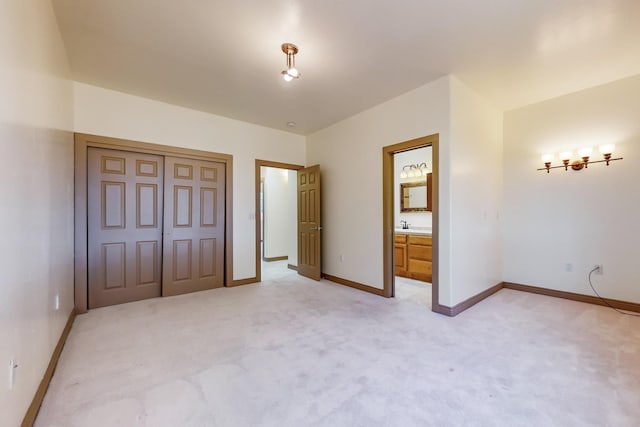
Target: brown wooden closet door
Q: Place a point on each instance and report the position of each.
(124, 198)
(194, 223)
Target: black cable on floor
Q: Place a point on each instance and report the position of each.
(605, 301)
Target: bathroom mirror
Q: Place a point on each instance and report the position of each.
(416, 196)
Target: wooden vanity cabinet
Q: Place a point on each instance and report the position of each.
(400, 249)
(413, 254)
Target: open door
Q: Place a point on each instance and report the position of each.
(309, 224)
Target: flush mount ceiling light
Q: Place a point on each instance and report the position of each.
(291, 72)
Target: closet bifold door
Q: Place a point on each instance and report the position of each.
(194, 225)
(124, 221)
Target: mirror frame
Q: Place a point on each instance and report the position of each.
(428, 186)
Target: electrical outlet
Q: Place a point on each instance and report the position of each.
(341, 258)
(598, 269)
(568, 267)
(56, 302)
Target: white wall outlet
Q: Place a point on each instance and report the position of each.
(568, 267)
(12, 372)
(341, 258)
(598, 268)
(56, 302)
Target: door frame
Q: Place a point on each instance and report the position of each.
(81, 143)
(388, 226)
(270, 164)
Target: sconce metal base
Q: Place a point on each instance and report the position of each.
(577, 165)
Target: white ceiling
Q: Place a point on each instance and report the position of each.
(224, 57)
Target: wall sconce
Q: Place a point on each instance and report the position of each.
(583, 163)
(291, 72)
(413, 171)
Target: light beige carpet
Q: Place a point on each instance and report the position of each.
(413, 291)
(294, 352)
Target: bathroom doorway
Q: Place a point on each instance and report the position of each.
(412, 251)
(412, 200)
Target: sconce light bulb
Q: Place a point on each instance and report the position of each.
(293, 72)
(286, 76)
(607, 148)
(566, 155)
(585, 152)
(547, 158)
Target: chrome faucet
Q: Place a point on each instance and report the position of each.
(404, 225)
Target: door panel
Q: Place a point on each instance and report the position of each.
(193, 257)
(309, 224)
(124, 226)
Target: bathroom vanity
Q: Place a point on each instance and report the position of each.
(413, 254)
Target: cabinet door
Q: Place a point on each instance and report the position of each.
(400, 259)
(420, 270)
(419, 256)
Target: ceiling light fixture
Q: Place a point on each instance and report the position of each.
(291, 72)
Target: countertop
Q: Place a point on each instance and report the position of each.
(424, 231)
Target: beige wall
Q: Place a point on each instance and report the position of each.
(106, 112)
(578, 218)
(476, 193)
(470, 185)
(350, 157)
(36, 183)
(277, 230)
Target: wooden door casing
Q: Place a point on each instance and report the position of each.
(194, 226)
(309, 223)
(124, 224)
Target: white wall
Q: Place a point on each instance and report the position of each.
(579, 218)
(350, 157)
(292, 212)
(277, 229)
(36, 184)
(476, 193)
(412, 157)
(105, 112)
(470, 185)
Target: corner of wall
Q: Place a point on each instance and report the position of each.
(476, 175)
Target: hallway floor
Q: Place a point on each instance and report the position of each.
(295, 352)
